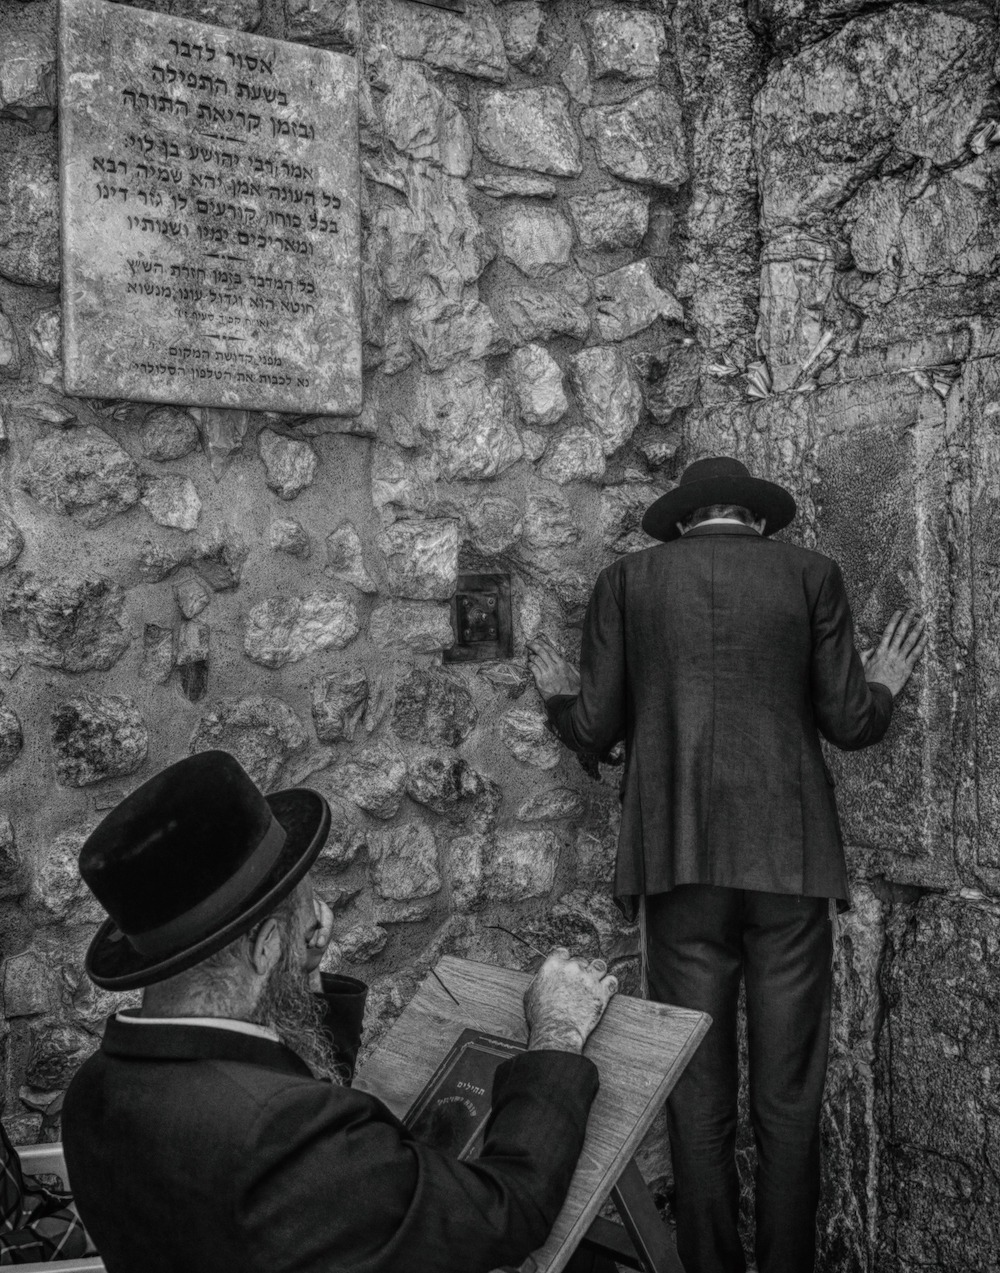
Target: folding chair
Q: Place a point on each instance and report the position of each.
(39, 1160)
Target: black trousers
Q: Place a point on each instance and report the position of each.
(700, 939)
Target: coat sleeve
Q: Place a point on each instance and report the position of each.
(851, 712)
(334, 1181)
(594, 720)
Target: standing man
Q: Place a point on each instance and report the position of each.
(720, 657)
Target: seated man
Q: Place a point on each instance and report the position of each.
(201, 1139)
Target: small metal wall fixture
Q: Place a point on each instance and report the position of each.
(456, 6)
(480, 619)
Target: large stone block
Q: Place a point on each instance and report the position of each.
(538, 384)
(168, 433)
(82, 473)
(524, 733)
(467, 420)
(607, 394)
(338, 703)
(404, 862)
(28, 77)
(237, 15)
(332, 24)
(448, 785)
(71, 624)
(470, 43)
(537, 239)
(540, 311)
(529, 128)
(421, 559)
(96, 737)
(260, 731)
(11, 737)
(493, 525)
(629, 301)
(374, 780)
(290, 464)
(625, 43)
(610, 219)
(576, 455)
(172, 501)
(424, 124)
(29, 211)
(433, 707)
(416, 627)
(345, 557)
(282, 630)
(514, 867)
(640, 140)
(527, 36)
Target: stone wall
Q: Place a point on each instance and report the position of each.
(600, 241)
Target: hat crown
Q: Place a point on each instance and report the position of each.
(715, 468)
(174, 841)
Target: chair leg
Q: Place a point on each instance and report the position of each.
(643, 1224)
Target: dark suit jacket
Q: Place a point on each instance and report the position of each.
(720, 657)
(199, 1150)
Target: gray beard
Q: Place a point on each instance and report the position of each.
(287, 1006)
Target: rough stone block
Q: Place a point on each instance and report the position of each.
(261, 732)
(28, 78)
(625, 43)
(404, 862)
(607, 394)
(56, 1053)
(338, 703)
(493, 525)
(515, 185)
(290, 465)
(282, 630)
(610, 219)
(418, 627)
(551, 804)
(629, 301)
(157, 653)
(11, 737)
(288, 535)
(640, 140)
(537, 239)
(191, 596)
(45, 342)
(236, 15)
(331, 24)
(29, 211)
(424, 124)
(526, 736)
(96, 737)
(448, 785)
(82, 473)
(469, 43)
(540, 311)
(71, 624)
(10, 357)
(575, 456)
(374, 780)
(522, 865)
(168, 433)
(193, 644)
(11, 541)
(526, 36)
(529, 128)
(467, 421)
(346, 840)
(222, 433)
(12, 881)
(668, 378)
(433, 707)
(345, 558)
(576, 76)
(362, 942)
(422, 559)
(172, 501)
(549, 520)
(27, 985)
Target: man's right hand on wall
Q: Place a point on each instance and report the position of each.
(553, 674)
(903, 642)
(565, 1001)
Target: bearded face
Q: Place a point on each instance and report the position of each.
(287, 1006)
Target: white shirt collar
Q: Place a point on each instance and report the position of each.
(727, 521)
(216, 1023)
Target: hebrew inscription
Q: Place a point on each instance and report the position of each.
(210, 190)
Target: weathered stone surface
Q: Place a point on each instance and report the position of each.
(172, 501)
(45, 341)
(11, 737)
(338, 702)
(168, 433)
(374, 780)
(493, 525)
(419, 627)
(576, 76)
(157, 653)
(291, 465)
(625, 43)
(11, 541)
(628, 301)
(332, 24)
(433, 707)
(283, 630)
(514, 867)
(607, 394)
(449, 785)
(26, 984)
(424, 124)
(938, 1085)
(404, 912)
(28, 77)
(610, 219)
(58, 886)
(575, 456)
(193, 643)
(668, 378)
(345, 558)
(470, 43)
(539, 311)
(515, 185)
(237, 15)
(526, 736)
(443, 333)
(72, 624)
(534, 444)
(362, 942)
(622, 509)
(220, 561)
(10, 359)
(549, 520)
(29, 211)
(529, 128)
(641, 140)
(550, 805)
(56, 1053)
(83, 473)
(260, 731)
(222, 433)
(191, 596)
(288, 535)
(526, 36)
(12, 882)
(537, 239)
(421, 559)
(346, 840)
(95, 737)
(467, 420)
(404, 862)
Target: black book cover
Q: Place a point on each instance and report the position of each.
(452, 1111)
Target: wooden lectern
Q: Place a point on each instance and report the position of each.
(640, 1049)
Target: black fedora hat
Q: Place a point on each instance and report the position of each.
(190, 861)
(719, 480)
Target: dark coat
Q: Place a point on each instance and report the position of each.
(720, 658)
(199, 1150)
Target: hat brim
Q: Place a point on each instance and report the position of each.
(112, 961)
(764, 499)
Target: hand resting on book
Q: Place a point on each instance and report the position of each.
(565, 1001)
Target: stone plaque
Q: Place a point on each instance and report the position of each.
(210, 193)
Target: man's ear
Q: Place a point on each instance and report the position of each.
(265, 948)
(760, 525)
(681, 527)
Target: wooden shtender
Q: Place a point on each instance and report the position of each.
(640, 1049)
